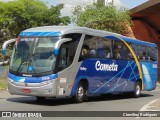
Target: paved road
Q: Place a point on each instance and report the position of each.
(113, 103)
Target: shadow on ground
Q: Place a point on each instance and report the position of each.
(67, 101)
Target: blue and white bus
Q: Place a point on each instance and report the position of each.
(63, 61)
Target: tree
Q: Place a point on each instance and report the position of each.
(99, 16)
(18, 15)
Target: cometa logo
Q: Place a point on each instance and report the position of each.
(106, 67)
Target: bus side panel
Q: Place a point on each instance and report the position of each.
(107, 81)
(96, 79)
(67, 78)
(149, 71)
(126, 76)
(99, 80)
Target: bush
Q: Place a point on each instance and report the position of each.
(3, 77)
(98, 16)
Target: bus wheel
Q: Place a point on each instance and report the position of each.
(137, 90)
(80, 93)
(40, 99)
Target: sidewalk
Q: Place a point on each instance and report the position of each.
(4, 94)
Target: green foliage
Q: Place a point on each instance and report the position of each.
(18, 15)
(3, 77)
(102, 17)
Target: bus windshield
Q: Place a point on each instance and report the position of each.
(34, 55)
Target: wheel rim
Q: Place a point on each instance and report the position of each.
(138, 89)
(80, 92)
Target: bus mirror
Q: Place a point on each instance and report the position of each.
(5, 45)
(58, 45)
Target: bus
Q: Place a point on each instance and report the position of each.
(77, 62)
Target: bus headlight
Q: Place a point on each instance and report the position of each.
(10, 80)
(47, 82)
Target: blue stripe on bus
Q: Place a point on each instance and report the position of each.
(136, 41)
(32, 79)
(4, 51)
(55, 51)
(101, 82)
(149, 71)
(25, 34)
(120, 76)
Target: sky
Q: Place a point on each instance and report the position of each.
(69, 4)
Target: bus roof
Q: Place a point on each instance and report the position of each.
(65, 30)
(60, 30)
(136, 41)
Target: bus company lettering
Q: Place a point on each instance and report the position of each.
(106, 67)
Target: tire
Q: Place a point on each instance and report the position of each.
(80, 93)
(40, 99)
(137, 90)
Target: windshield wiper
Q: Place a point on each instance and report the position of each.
(32, 55)
(19, 66)
(31, 62)
(23, 61)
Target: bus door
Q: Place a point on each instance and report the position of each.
(62, 69)
(64, 65)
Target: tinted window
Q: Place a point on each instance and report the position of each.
(67, 51)
(104, 48)
(121, 51)
(63, 62)
(152, 53)
(145, 53)
(95, 47)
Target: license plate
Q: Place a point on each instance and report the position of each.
(26, 90)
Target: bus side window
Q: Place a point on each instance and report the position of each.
(94, 47)
(85, 51)
(117, 50)
(146, 53)
(121, 51)
(63, 62)
(104, 48)
(88, 48)
(67, 54)
(72, 45)
(141, 52)
(152, 53)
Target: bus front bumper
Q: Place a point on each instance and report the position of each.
(44, 89)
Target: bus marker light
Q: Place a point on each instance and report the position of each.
(70, 86)
(26, 84)
(63, 80)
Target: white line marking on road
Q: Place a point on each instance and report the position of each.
(144, 108)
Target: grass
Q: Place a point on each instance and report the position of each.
(3, 78)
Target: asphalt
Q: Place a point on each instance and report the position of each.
(155, 106)
(152, 106)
